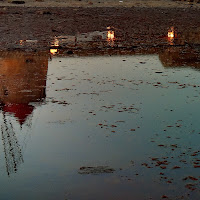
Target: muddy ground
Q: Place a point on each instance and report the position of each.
(133, 25)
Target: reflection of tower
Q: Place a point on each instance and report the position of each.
(13, 154)
(22, 81)
(20, 111)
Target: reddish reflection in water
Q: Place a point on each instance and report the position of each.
(20, 111)
(23, 77)
(22, 81)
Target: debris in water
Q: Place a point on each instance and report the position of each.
(96, 170)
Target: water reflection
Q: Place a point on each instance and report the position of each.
(22, 81)
(95, 39)
(56, 42)
(172, 56)
(23, 75)
(98, 42)
(180, 56)
(53, 51)
(12, 149)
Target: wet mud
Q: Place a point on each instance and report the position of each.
(133, 26)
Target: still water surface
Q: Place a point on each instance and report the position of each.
(129, 113)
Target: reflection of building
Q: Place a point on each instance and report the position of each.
(191, 36)
(23, 77)
(173, 48)
(180, 56)
(184, 50)
(22, 81)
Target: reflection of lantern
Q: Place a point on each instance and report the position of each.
(53, 51)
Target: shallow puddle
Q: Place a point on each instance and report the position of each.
(100, 127)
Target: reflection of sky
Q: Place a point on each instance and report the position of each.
(86, 142)
(66, 137)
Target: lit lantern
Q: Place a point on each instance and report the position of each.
(171, 35)
(110, 35)
(56, 43)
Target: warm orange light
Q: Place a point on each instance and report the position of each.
(53, 51)
(171, 36)
(171, 33)
(110, 35)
